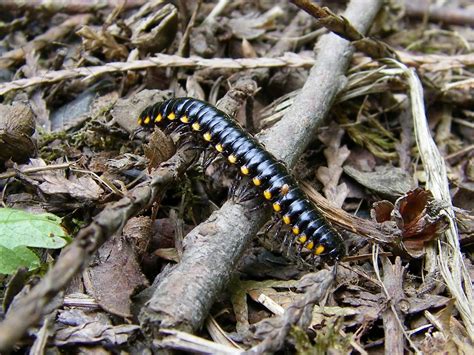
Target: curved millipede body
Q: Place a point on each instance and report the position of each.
(269, 175)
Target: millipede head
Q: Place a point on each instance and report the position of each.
(149, 117)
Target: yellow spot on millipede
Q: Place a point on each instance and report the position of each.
(158, 118)
(171, 116)
(319, 249)
(267, 194)
(256, 181)
(196, 126)
(286, 219)
(295, 230)
(147, 120)
(276, 207)
(302, 239)
(244, 169)
(232, 159)
(310, 245)
(139, 121)
(184, 119)
(219, 148)
(207, 137)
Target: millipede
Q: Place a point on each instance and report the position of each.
(267, 174)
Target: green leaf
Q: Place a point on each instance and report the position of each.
(12, 259)
(19, 228)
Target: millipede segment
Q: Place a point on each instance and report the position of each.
(269, 175)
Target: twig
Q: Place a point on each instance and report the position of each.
(299, 312)
(53, 34)
(342, 27)
(107, 223)
(375, 256)
(159, 61)
(331, 21)
(191, 343)
(55, 6)
(214, 247)
(216, 11)
(10, 174)
(423, 62)
(446, 14)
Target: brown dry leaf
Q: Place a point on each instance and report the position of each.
(335, 156)
(251, 27)
(368, 306)
(17, 126)
(82, 188)
(78, 327)
(452, 337)
(416, 214)
(154, 27)
(100, 40)
(159, 149)
(126, 111)
(114, 276)
(386, 180)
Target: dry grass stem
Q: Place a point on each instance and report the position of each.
(449, 258)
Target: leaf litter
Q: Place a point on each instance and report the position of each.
(364, 160)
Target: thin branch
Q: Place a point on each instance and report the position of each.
(54, 6)
(159, 61)
(423, 62)
(214, 247)
(445, 14)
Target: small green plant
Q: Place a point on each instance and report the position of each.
(20, 231)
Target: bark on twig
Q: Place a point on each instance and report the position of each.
(445, 14)
(54, 6)
(214, 247)
(159, 61)
(107, 223)
(423, 62)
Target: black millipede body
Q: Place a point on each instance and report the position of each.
(269, 175)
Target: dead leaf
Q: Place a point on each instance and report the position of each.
(78, 327)
(335, 156)
(100, 40)
(114, 276)
(17, 126)
(417, 216)
(251, 26)
(82, 188)
(386, 180)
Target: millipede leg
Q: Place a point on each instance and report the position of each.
(247, 193)
(208, 159)
(233, 188)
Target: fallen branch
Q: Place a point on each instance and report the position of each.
(424, 62)
(214, 247)
(29, 310)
